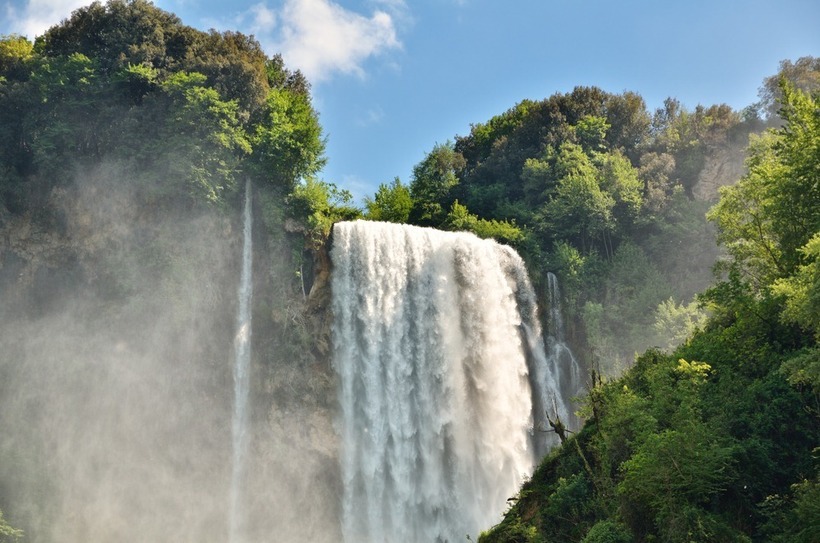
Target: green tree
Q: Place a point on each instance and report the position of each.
(772, 212)
(8, 534)
(391, 203)
(15, 54)
(318, 205)
(580, 210)
(620, 179)
(460, 219)
(287, 140)
(433, 179)
(591, 132)
(802, 74)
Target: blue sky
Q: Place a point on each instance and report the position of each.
(391, 78)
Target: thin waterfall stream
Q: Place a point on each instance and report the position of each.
(241, 374)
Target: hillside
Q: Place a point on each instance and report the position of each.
(716, 440)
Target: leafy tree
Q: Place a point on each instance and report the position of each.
(15, 53)
(287, 140)
(655, 171)
(318, 205)
(607, 531)
(391, 203)
(204, 134)
(674, 322)
(8, 534)
(620, 179)
(433, 179)
(580, 210)
(803, 74)
(460, 219)
(591, 132)
(774, 210)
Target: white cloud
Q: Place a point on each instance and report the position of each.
(370, 117)
(322, 38)
(263, 18)
(37, 16)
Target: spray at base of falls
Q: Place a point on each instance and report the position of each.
(439, 356)
(241, 375)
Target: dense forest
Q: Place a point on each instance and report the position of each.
(122, 114)
(715, 440)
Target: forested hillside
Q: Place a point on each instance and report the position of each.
(716, 440)
(606, 194)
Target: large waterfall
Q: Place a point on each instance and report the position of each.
(241, 376)
(433, 343)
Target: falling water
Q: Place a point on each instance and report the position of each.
(432, 333)
(564, 367)
(241, 377)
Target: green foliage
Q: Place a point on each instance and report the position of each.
(433, 180)
(15, 54)
(801, 290)
(672, 473)
(580, 210)
(591, 133)
(460, 219)
(803, 74)
(773, 212)
(806, 527)
(8, 534)
(205, 136)
(513, 531)
(674, 322)
(185, 113)
(320, 205)
(287, 140)
(607, 531)
(391, 203)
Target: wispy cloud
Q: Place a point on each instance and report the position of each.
(37, 16)
(322, 38)
(370, 117)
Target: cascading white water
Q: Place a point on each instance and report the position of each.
(564, 367)
(432, 333)
(241, 375)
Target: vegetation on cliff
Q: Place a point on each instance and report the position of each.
(717, 440)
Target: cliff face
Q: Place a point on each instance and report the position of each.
(294, 481)
(115, 363)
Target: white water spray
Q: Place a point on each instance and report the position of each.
(431, 350)
(241, 375)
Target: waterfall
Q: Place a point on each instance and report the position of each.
(433, 335)
(241, 377)
(565, 370)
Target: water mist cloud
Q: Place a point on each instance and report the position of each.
(115, 380)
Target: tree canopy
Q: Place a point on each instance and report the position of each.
(716, 440)
(187, 112)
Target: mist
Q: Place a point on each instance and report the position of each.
(116, 351)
